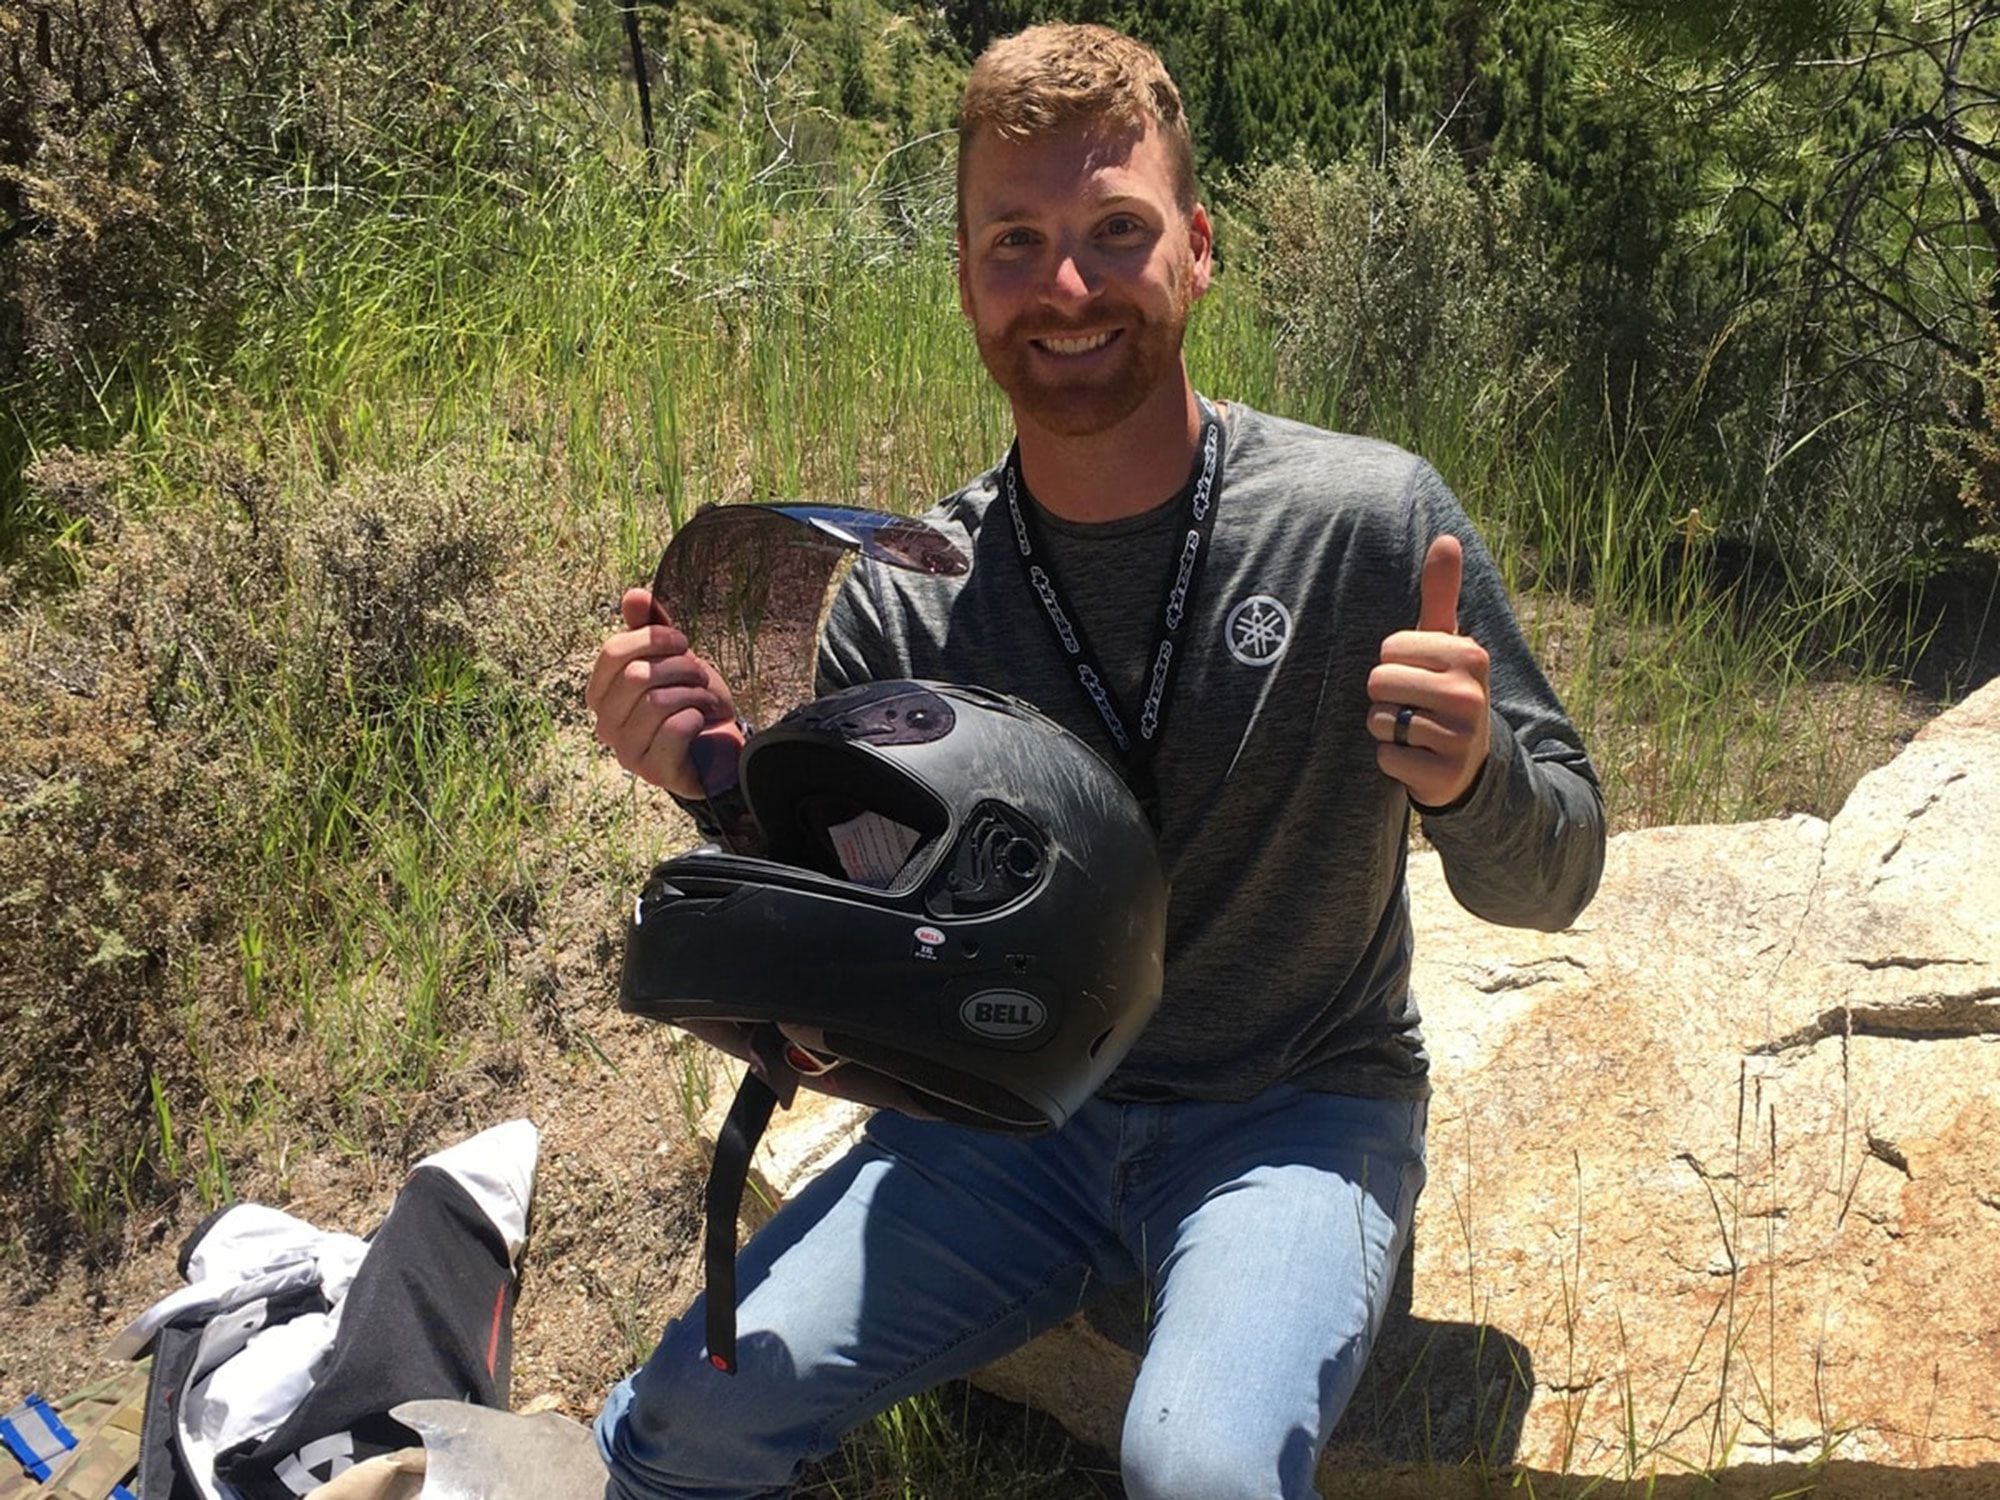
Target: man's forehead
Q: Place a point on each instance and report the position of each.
(1090, 160)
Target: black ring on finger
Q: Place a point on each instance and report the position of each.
(1403, 717)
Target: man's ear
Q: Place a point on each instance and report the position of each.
(1201, 244)
(964, 287)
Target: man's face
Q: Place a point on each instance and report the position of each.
(1076, 268)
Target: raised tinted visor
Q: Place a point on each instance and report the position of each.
(750, 584)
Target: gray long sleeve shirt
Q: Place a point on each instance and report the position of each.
(1288, 943)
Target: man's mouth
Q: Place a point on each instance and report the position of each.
(1069, 348)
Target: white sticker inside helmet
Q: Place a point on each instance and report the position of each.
(873, 849)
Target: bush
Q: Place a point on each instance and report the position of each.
(143, 157)
(283, 700)
(1972, 444)
(1414, 294)
(1407, 278)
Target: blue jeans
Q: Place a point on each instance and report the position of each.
(1267, 1235)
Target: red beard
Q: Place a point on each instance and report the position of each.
(1082, 395)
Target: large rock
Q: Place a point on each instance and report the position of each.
(1715, 1175)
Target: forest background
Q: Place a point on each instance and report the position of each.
(354, 356)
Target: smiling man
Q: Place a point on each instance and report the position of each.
(1080, 254)
(1285, 639)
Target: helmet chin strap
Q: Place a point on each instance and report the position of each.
(770, 1081)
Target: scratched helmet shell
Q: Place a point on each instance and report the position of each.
(955, 895)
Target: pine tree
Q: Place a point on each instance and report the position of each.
(1223, 122)
(850, 60)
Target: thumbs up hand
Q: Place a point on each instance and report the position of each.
(1429, 695)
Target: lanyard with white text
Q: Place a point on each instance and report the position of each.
(1137, 744)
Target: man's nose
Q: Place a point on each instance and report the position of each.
(1068, 281)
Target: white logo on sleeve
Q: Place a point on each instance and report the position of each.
(1258, 630)
(321, 1460)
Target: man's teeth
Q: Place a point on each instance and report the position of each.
(1076, 346)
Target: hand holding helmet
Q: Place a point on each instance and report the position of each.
(653, 698)
(958, 900)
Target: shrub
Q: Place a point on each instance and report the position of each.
(255, 709)
(144, 153)
(1407, 277)
(1976, 452)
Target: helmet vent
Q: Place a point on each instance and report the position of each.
(998, 858)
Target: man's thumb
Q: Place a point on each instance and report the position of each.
(639, 610)
(1444, 567)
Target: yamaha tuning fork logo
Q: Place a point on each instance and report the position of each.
(1258, 630)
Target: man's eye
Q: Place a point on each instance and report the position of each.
(1122, 224)
(1013, 239)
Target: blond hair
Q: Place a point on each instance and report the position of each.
(1040, 80)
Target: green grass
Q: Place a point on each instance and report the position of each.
(959, 1443)
(657, 349)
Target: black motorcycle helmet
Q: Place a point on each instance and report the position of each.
(948, 904)
(955, 895)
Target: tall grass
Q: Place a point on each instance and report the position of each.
(665, 347)
(748, 334)
(1712, 684)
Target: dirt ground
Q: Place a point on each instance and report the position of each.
(613, 1241)
(1834, 1481)
(612, 1246)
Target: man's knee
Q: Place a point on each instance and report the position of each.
(679, 1429)
(1177, 1456)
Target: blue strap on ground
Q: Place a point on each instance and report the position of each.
(35, 1435)
(119, 1492)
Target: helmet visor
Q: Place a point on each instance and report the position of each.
(749, 585)
(899, 541)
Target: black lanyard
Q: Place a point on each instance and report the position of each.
(1140, 742)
